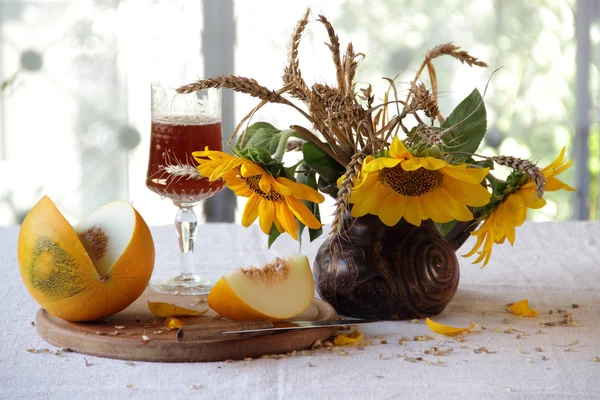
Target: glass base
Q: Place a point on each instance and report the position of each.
(183, 284)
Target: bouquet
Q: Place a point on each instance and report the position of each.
(396, 157)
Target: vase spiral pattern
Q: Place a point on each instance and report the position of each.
(371, 270)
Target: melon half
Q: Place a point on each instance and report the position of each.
(280, 290)
(88, 272)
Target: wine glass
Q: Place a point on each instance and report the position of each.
(182, 124)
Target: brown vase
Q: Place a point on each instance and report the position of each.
(373, 271)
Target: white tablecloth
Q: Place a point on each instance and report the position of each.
(554, 265)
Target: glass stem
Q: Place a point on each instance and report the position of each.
(186, 223)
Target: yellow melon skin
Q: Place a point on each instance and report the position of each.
(61, 277)
(260, 295)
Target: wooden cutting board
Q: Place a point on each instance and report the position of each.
(102, 339)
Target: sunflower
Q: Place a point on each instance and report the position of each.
(417, 188)
(273, 200)
(500, 224)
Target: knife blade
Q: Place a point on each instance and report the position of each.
(294, 325)
(237, 330)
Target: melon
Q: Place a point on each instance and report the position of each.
(90, 271)
(279, 290)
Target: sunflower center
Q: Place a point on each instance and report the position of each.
(252, 182)
(411, 183)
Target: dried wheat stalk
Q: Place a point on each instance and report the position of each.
(452, 50)
(237, 83)
(294, 145)
(421, 99)
(184, 171)
(526, 166)
(334, 46)
(342, 201)
(291, 72)
(350, 65)
(430, 135)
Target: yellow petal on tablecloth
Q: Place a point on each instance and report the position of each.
(522, 308)
(343, 339)
(445, 329)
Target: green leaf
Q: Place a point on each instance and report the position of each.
(243, 140)
(446, 227)
(273, 235)
(470, 124)
(263, 135)
(329, 169)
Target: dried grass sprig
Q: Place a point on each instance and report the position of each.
(422, 99)
(343, 197)
(534, 173)
(430, 135)
(291, 72)
(308, 135)
(294, 145)
(452, 50)
(334, 46)
(237, 83)
(350, 66)
(183, 170)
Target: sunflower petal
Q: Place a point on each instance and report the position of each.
(251, 210)
(451, 206)
(344, 339)
(265, 183)
(429, 163)
(473, 195)
(302, 212)
(522, 308)
(286, 218)
(266, 213)
(469, 175)
(531, 199)
(210, 153)
(481, 234)
(281, 188)
(398, 149)
(370, 204)
(250, 169)
(446, 329)
(413, 211)
(392, 208)
(301, 191)
(174, 323)
(379, 163)
(164, 310)
(430, 204)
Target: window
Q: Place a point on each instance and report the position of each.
(74, 113)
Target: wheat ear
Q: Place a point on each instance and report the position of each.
(343, 197)
(526, 166)
(237, 83)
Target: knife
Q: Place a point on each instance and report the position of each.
(238, 330)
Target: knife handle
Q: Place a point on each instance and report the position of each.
(213, 331)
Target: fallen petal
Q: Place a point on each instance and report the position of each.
(171, 310)
(174, 323)
(445, 329)
(522, 308)
(350, 338)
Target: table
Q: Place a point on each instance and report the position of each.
(554, 265)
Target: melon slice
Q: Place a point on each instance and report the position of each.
(280, 290)
(88, 272)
